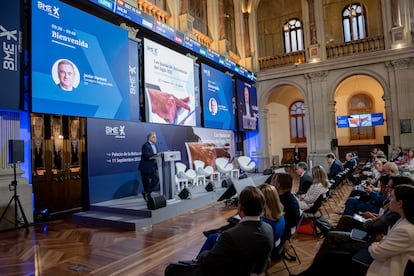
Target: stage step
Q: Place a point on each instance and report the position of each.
(112, 220)
(131, 213)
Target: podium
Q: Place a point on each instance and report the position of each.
(169, 172)
(166, 171)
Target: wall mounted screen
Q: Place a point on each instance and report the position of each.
(218, 98)
(169, 86)
(247, 106)
(360, 120)
(79, 63)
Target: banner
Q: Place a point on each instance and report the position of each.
(10, 55)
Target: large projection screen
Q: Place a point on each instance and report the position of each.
(218, 98)
(247, 106)
(79, 63)
(169, 86)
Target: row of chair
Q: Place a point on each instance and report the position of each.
(199, 175)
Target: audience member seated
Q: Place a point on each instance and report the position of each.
(350, 165)
(319, 187)
(381, 167)
(273, 213)
(305, 179)
(283, 183)
(368, 200)
(241, 250)
(335, 166)
(375, 223)
(409, 162)
(392, 253)
(367, 169)
(341, 241)
(390, 168)
(397, 154)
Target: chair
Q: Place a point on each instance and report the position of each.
(224, 166)
(181, 183)
(184, 173)
(246, 163)
(279, 251)
(293, 231)
(312, 211)
(200, 169)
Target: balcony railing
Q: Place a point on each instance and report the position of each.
(370, 44)
(282, 60)
(366, 45)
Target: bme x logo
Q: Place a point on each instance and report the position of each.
(8, 34)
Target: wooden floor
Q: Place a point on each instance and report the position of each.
(63, 248)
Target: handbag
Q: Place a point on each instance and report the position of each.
(323, 224)
(306, 227)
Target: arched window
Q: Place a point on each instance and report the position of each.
(227, 24)
(297, 122)
(293, 36)
(361, 104)
(353, 20)
(198, 9)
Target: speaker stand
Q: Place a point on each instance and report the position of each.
(17, 204)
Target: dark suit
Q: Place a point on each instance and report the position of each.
(305, 181)
(249, 108)
(292, 211)
(148, 168)
(335, 168)
(242, 249)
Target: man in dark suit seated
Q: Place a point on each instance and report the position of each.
(335, 166)
(305, 179)
(148, 166)
(241, 250)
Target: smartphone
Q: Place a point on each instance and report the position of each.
(359, 235)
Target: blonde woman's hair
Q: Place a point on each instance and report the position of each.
(319, 176)
(273, 209)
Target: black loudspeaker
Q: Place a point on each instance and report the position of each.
(267, 172)
(16, 151)
(156, 202)
(210, 187)
(231, 191)
(184, 194)
(387, 140)
(226, 183)
(334, 143)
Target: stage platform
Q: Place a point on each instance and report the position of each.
(131, 213)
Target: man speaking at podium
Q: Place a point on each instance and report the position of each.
(148, 166)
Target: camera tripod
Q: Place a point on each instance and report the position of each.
(17, 203)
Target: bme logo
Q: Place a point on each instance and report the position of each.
(118, 131)
(8, 34)
(51, 10)
(10, 48)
